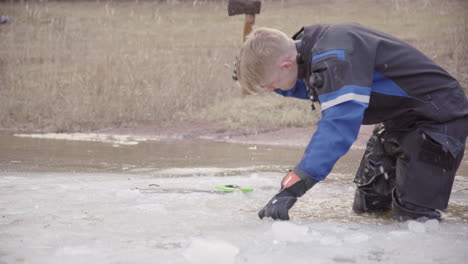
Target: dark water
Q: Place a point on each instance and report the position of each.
(51, 155)
(22, 154)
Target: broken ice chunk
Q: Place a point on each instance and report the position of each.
(211, 251)
(416, 227)
(287, 231)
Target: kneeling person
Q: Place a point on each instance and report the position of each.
(362, 76)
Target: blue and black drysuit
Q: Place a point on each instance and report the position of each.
(362, 76)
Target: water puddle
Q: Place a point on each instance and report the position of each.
(99, 153)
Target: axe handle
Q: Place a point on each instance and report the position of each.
(248, 24)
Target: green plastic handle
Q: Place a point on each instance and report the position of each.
(232, 188)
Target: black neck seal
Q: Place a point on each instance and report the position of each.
(305, 41)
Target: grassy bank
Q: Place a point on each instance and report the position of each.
(90, 65)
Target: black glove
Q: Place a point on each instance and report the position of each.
(292, 186)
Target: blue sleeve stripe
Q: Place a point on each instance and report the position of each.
(340, 54)
(299, 91)
(346, 93)
(383, 85)
(344, 98)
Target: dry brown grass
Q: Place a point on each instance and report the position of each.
(89, 65)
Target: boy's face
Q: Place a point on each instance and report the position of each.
(283, 76)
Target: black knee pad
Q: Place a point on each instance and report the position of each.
(375, 178)
(367, 201)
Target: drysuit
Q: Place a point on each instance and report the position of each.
(363, 76)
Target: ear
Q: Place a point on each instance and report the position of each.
(286, 64)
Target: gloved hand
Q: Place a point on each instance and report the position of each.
(292, 186)
(278, 206)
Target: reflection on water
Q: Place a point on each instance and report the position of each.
(50, 155)
(147, 157)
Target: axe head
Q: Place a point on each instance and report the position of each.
(249, 7)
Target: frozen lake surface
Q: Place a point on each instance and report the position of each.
(79, 202)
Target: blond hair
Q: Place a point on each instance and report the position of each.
(260, 52)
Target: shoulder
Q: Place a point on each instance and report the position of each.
(338, 36)
(344, 28)
(350, 37)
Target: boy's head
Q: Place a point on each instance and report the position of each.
(267, 61)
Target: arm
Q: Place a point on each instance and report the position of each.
(336, 132)
(347, 67)
(342, 114)
(298, 91)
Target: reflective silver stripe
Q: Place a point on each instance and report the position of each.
(344, 98)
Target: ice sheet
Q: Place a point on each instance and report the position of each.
(88, 218)
(116, 140)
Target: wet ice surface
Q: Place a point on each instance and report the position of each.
(100, 217)
(115, 140)
(77, 218)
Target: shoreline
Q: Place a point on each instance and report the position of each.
(218, 132)
(297, 137)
